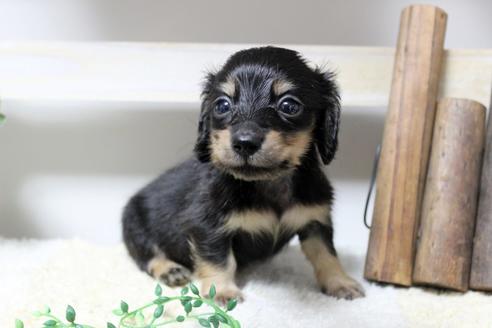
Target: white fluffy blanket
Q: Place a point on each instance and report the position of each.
(280, 293)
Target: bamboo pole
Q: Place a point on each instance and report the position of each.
(451, 195)
(406, 143)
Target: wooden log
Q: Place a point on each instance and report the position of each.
(405, 146)
(481, 270)
(449, 208)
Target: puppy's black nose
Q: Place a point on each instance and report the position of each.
(246, 143)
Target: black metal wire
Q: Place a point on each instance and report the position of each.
(372, 183)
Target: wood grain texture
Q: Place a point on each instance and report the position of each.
(449, 207)
(481, 270)
(405, 146)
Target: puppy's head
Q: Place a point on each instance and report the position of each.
(263, 111)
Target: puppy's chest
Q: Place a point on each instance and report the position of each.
(276, 223)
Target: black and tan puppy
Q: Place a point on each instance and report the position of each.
(268, 123)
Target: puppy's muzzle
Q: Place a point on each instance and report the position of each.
(246, 142)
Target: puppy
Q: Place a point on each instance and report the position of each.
(267, 125)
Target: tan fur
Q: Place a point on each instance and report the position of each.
(290, 147)
(299, 216)
(297, 145)
(329, 272)
(252, 221)
(292, 220)
(221, 277)
(228, 87)
(220, 146)
(281, 86)
(160, 265)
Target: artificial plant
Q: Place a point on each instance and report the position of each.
(152, 315)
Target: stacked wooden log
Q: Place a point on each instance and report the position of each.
(481, 271)
(450, 199)
(423, 228)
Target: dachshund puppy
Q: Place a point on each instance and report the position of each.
(267, 125)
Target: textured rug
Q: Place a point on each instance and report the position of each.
(280, 293)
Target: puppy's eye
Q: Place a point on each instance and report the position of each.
(222, 107)
(289, 106)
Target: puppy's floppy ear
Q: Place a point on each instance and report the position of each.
(202, 144)
(326, 130)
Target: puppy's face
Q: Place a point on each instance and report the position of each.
(262, 113)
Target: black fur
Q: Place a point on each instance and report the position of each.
(192, 201)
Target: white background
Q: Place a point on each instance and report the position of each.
(66, 169)
(334, 22)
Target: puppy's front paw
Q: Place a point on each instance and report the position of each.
(232, 292)
(224, 293)
(343, 287)
(176, 276)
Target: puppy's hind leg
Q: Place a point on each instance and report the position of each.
(146, 254)
(168, 271)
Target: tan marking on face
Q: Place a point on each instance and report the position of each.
(328, 270)
(290, 147)
(298, 216)
(273, 145)
(298, 145)
(281, 86)
(220, 146)
(228, 87)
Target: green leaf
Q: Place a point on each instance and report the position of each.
(185, 299)
(118, 312)
(180, 318)
(214, 320)
(162, 299)
(231, 304)
(2, 118)
(19, 324)
(187, 307)
(70, 313)
(184, 291)
(221, 317)
(124, 307)
(197, 303)
(235, 324)
(212, 291)
(194, 289)
(203, 322)
(158, 290)
(158, 311)
(46, 310)
(50, 323)
(110, 325)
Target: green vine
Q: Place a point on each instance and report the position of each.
(152, 315)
